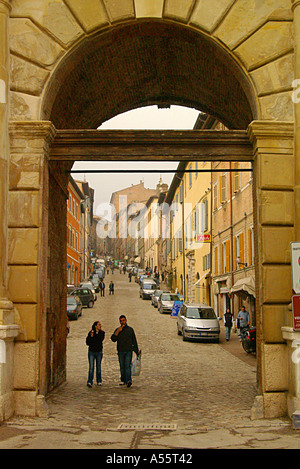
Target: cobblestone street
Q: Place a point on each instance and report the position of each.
(205, 390)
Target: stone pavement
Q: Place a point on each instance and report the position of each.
(205, 390)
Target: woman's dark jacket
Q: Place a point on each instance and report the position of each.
(95, 342)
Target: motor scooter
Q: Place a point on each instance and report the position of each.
(248, 338)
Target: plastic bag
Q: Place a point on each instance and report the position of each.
(136, 366)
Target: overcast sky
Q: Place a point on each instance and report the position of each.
(175, 118)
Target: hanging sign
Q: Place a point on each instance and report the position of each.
(296, 312)
(295, 260)
(203, 238)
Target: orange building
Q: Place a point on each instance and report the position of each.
(73, 233)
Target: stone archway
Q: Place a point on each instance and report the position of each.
(53, 47)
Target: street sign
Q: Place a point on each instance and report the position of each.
(295, 260)
(296, 312)
(176, 308)
(203, 238)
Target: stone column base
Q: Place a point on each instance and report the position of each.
(293, 397)
(29, 404)
(7, 403)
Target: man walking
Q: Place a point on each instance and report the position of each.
(126, 344)
(102, 288)
(243, 319)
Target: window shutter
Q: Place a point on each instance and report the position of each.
(227, 256)
(216, 261)
(241, 239)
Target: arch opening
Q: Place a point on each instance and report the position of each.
(148, 63)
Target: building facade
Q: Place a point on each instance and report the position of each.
(74, 242)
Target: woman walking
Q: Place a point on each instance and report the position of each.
(228, 323)
(94, 341)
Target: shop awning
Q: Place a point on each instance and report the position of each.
(245, 284)
(137, 260)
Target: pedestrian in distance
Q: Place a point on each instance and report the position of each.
(228, 323)
(111, 288)
(129, 276)
(243, 319)
(102, 288)
(94, 341)
(126, 345)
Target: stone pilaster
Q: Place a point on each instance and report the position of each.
(296, 17)
(6, 308)
(274, 217)
(8, 331)
(28, 256)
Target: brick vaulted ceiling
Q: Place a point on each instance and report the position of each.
(142, 64)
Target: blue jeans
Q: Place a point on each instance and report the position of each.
(125, 359)
(95, 357)
(228, 329)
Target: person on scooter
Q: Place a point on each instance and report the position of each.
(243, 319)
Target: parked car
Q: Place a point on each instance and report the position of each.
(100, 271)
(138, 275)
(90, 286)
(165, 302)
(143, 277)
(198, 321)
(155, 297)
(85, 295)
(147, 288)
(94, 278)
(74, 307)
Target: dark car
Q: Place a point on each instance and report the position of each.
(85, 295)
(74, 307)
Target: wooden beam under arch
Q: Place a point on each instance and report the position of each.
(151, 145)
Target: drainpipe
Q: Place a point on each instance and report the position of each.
(231, 234)
(183, 242)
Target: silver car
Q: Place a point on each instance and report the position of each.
(148, 287)
(198, 321)
(155, 297)
(166, 301)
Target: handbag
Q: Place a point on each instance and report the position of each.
(136, 366)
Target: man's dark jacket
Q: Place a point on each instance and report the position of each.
(126, 340)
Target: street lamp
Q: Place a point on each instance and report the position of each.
(238, 261)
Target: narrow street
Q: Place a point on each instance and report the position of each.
(204, 390)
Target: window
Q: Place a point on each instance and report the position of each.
(204, 216)
(225, 257)
(236, 178)
(206, 262)
(251, 246)
(216, 258)
(180, 241)
(238, 250)
(215, 196)
(223, 188)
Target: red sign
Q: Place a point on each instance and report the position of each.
(296, 312)
(203, 238)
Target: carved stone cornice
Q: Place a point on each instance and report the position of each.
(295, 4)
(6, 4)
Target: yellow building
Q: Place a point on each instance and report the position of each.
(188, 259)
